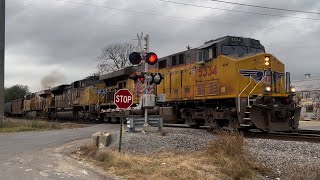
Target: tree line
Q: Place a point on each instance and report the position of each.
(15, 92)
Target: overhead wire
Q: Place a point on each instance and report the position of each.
(76, 18)
(237, 11)
(93, 20)
(173, 17)
(265, 7)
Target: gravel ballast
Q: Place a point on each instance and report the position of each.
(277, 154)
(173, 139)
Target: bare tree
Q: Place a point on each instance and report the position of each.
(114, 57)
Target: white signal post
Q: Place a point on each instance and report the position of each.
(147, 86)
(144, 49)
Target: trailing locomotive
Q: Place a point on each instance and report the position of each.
(227, 82)
(76, 101)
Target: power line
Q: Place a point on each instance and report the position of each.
(174, 17)
(265, 7)
(121, 27)
(237, 11)
(76, 18)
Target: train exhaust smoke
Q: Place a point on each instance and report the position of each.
(53, 79)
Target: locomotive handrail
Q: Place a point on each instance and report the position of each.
(255, 88)
(242, 92)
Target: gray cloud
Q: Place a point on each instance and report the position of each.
(52, 35)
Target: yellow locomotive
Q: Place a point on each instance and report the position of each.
(227, 82)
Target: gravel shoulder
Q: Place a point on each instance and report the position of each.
(279, 155)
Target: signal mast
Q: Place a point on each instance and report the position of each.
(144, 57)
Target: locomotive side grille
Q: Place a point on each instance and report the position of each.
(213, 87)
(200, 90)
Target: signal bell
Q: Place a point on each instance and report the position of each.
(151, 58)
(157, 78)
(135, 58)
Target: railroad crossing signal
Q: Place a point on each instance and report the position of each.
(150, 58)
(123, 99)
(135, 58)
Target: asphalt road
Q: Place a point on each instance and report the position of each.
(43, 155)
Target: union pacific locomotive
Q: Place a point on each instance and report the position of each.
(227, 82)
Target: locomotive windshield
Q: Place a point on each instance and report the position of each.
(256, 50)
(234, 50)
(236, 47)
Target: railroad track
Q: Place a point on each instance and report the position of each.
(301, 135)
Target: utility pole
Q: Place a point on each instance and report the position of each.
(2, 55)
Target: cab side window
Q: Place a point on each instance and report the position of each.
(213, 52)
(203, 55)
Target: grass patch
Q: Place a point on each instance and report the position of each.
(229, 151)
(224, 158)
(15, 125)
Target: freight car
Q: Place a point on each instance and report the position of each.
(14, 108)
(8, 109)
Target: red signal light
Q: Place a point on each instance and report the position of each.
(151, 58)
(141, 80)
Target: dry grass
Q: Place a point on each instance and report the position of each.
(302, 172)
(16, 125)
(224, 158)
(229, 152)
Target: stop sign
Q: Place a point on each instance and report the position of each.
(123, 99)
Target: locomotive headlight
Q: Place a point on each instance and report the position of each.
(292, 89)
(267, 59)
(267, 88)
(267, 63)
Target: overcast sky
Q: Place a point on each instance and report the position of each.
(63, 39)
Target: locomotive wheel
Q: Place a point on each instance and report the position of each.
(107, 119)
(188, 120)
(211, 122)
(54, 116)
(192, 123)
